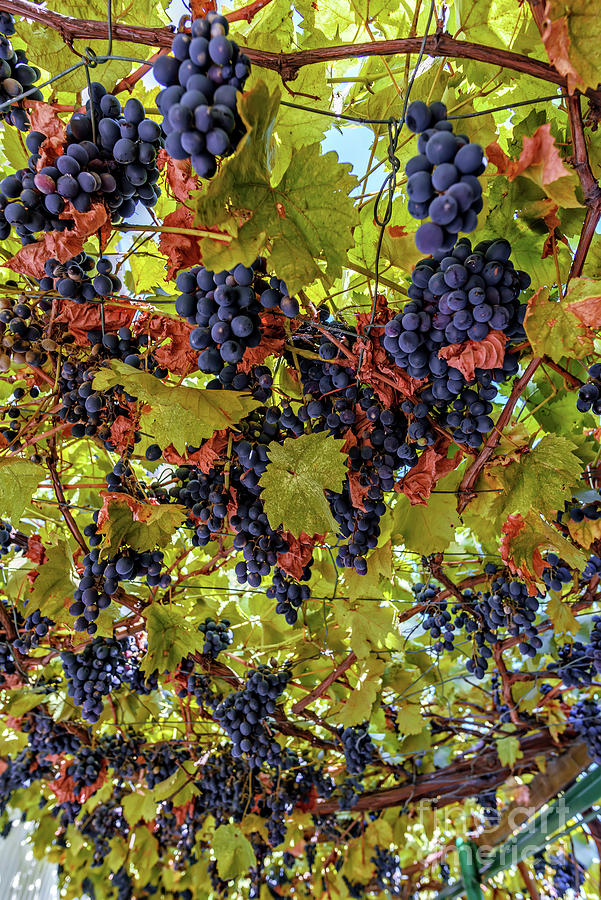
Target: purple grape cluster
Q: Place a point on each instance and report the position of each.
(16, 76)
(218, 636)
(108, 156)
(73, 281)
(243, 713)
(442, 180)
(93, 673)
(461, 296)
(575, 665)
(568, 875)
(129, 142)
(589, 395)
(487, 799)
(436, 617)
(36, 627)
(202, 80)
(289, 593)
(7, 661)
(585, 718)
(358, 748)
(225, 307)
(388, 873)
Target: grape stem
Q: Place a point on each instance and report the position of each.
(325, 684)
(466, 488)
(62, 503)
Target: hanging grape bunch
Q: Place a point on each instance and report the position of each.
(16, 76)
(72, 279)
(226, 307)
(202, 81)
(462, 296)
(109, 156)
(589, 395)
(442, 180)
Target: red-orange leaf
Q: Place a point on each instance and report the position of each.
(472, 355)
(178, 174)
(432, 465)
(539, 159)
(181, 250)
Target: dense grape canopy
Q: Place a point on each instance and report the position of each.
(300, 485)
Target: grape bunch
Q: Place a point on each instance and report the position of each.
(243, 713)
(575, 665)
(16, 76)
(88, 411)
(585, 718)
(594, 644)
(218, 636)
(442, 180)
(358, 748)
(289, 593)
(568, 875)
(436, 617)
(86, 766)
(509, 605)
(128, 142)
(22, 204)
(463, 296)
(388, 872)
(93, 673)
(202, 80)
(92, 412)
(592, 568)
(589, 395)
(101, 577)
(7, 661)
(225, 307)
(360, 527)
(556, 572)
(72, 279)
(22, 325)
(578, 511)
(260, 543)
(36, 627)
(487, 799)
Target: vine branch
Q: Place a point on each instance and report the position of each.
(289, 64)
(465, 490)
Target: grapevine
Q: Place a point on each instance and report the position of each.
(299, 451)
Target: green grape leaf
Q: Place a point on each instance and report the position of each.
(141, 526)
(233, 851)
(509, 751)
(307, 215)
(431, 528)
(369, 624)
(360, 702)
(561, 615)
(171, 637)
(410, 720)
(21, 703)
(293, 486)
(554, 330)
(139, 805)
(540, 480)
(176, 415)
(19, 479)
(52, 590)
(179, 786)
